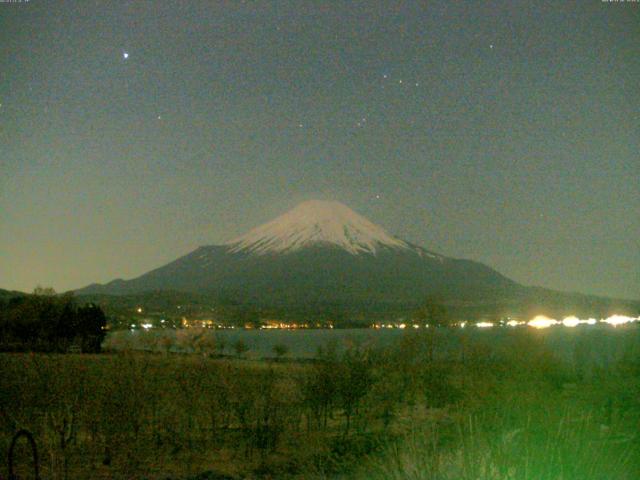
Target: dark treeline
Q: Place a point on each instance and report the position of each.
(46, 322)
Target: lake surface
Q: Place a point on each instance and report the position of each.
(597, 343)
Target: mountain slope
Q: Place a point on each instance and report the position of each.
(317, 274)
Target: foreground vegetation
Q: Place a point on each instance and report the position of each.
(484, 411)
(527, 416)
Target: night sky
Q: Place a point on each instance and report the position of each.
(132, 132)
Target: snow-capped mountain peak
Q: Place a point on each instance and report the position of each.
(317, 222)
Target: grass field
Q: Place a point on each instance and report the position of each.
(513, 409)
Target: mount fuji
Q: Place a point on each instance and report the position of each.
(317, 250)
(324, 253)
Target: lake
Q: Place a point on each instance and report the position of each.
(597, 343)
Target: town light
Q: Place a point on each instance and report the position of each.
(542, 322)
(571, 321)
(484, 324)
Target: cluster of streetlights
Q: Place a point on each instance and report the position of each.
(542, 321)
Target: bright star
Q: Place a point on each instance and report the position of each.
(125, 55)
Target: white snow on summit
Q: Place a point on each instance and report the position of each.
(316, 222)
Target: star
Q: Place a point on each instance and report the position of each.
(491, 46)
(125, 55)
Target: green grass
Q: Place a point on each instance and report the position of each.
(557, 446)
(538, 423)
